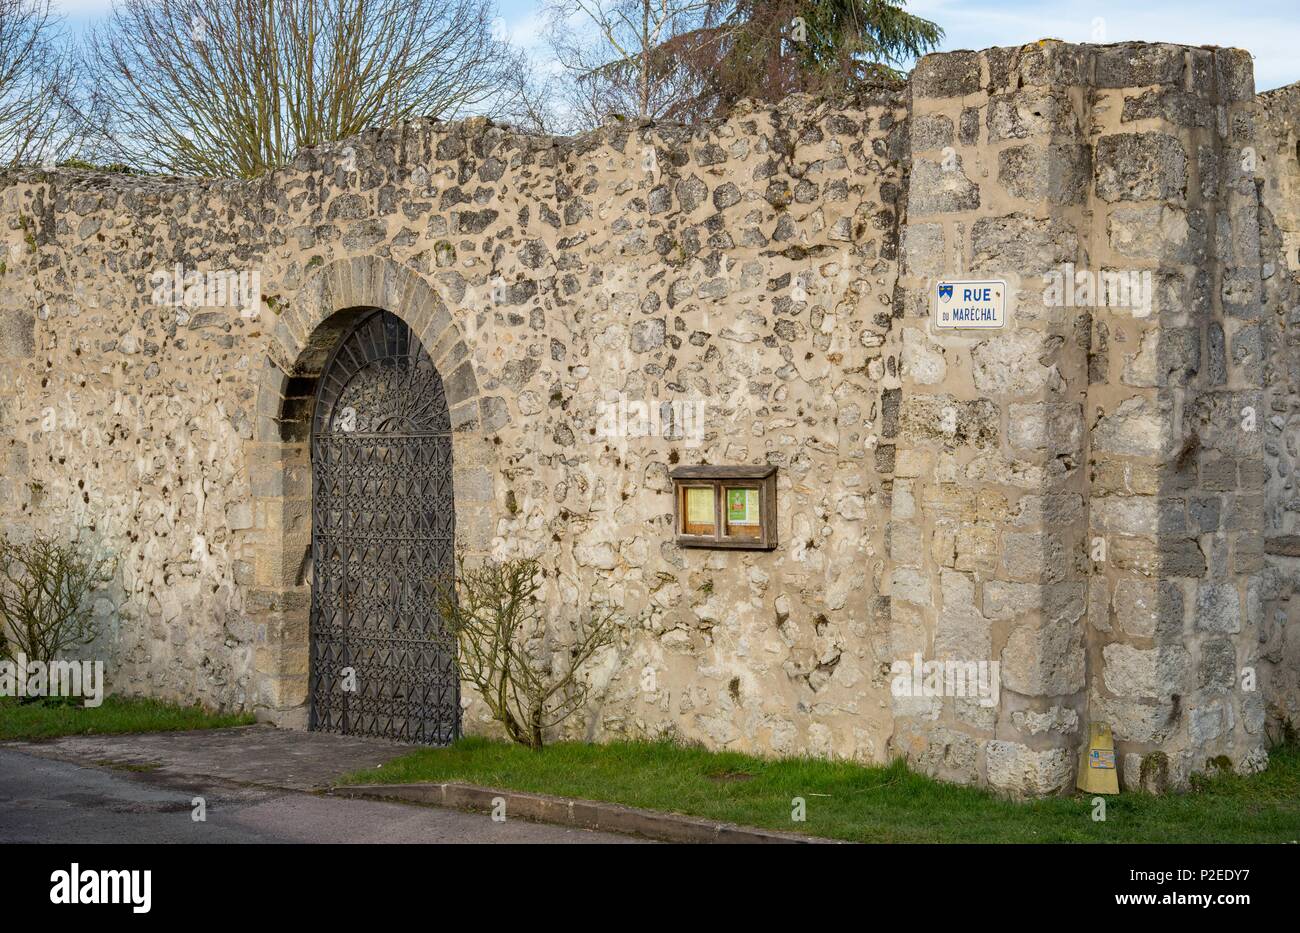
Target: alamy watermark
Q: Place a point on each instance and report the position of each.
(973, 679)
(1067, 287)
(25, 679)
(680, 419)
(221, 288)
(77, 885)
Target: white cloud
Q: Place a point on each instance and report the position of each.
(527, 32)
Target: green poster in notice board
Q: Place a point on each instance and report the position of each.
(742, 506)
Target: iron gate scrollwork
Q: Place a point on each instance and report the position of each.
(383, 531)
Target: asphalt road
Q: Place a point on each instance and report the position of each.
(51, 801)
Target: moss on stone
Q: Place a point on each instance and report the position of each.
(1153, 774)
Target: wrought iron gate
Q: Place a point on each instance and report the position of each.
(383, 527)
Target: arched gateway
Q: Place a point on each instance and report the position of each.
(383, 529)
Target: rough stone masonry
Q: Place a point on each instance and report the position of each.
(1099, 496)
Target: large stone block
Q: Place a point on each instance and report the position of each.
(1218, 608)
(1044, 660)
(1056, 174)
(1168, 555)
(1011, 363)
(1032, 112)
(1053, 510)
(931, 131)
(1172, 104)
(17, 335)
(944, 419)
(1134, 720)
(1021, 245)
(938, 751)
(1154, 232)
(1057, 602)
(1150, 609)
(948, 74)
(976, 547)
(907, 544)
(1133, 64)
(1145, 673)
(1057, 719)
(1138, 427)
(941, 187)
(1134, 515)
(1217, 669)
(1048, 62)
(924, 249)
(1208, 722)
(1026, 772)
(1005, 600)
(1036, 555)
(962, 633)
(1226, 421)
(1141, 167)
(1053, 427)
(911, 586)
(1168, 356)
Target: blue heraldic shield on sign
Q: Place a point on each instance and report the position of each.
(945, 291)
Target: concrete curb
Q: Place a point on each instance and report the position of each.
(580, 814)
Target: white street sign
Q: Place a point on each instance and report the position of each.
(961, 304)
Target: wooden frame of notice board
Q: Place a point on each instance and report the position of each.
(725, 506)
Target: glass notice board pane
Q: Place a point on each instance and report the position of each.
(742, 506)
(744, 517)
(698, 510)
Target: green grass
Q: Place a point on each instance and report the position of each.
(115, 715)
(864, 804)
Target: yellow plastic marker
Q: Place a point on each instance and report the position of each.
(1097, 773)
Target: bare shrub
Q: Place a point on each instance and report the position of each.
(44, 585)
(529, 676)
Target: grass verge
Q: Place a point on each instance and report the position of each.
(858, 803)
(114, 716)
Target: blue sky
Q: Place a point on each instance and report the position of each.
(1270, 29)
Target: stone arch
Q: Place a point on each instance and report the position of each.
(278, 598)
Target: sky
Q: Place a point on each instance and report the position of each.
(1269, 29)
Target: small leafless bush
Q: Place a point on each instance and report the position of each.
(44, 588)
(527, 673)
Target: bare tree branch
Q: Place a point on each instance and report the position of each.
(36, 75)
(236, 87)
(621, 72)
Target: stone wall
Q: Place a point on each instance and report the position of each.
(1178, 418)
(748, 265)
(1071, 496)
(994, 477)
(1092, 508)
(1278, 145)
